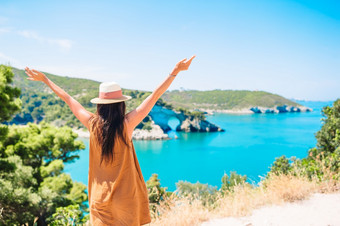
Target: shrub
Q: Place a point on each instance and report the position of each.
(281, 166)
(229, 182)
(155, 191)
(203, 192)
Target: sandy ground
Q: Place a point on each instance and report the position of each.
(318, 210)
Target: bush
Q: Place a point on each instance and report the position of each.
(203, 192)
(281, 166)
(69, 215)
(229, 182)
(155, 191)
(147, 126)
(8, 94)
(328, 137)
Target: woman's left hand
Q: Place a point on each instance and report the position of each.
(183, 65)
(35, 75)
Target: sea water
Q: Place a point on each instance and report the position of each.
(248, 146)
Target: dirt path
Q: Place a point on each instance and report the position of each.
(318, 210)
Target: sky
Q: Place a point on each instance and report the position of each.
(290, 48)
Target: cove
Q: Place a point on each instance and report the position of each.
(248, 146)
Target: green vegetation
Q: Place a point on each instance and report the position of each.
(156, 192)
(147, 126)
(206, 193)
(192, 114)
(69, 215)
(224, 99)
(281, 165)
(328, 145)
(32, 183)
(8, 94)
(329, 135)
(326, 154)
(41, 104)
(229, 182)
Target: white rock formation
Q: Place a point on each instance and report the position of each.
(156, 133)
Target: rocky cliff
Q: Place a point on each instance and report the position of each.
(161, 115)
(153, 133)
(192, 124)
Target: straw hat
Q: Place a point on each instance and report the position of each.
(109, 92)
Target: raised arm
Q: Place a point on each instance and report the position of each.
(78, 110)
(137, 115)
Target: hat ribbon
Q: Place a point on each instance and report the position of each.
(110, 95)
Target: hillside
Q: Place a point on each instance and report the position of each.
(81, 89)
(40, 103)
(224, 99)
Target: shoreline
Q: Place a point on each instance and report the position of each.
(227, 111)
(259, 110)
(82, 133)
(156, 133)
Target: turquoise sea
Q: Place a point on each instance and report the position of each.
(248, 146)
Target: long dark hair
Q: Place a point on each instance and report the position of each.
(108, 126)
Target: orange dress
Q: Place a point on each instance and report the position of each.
(117, 192)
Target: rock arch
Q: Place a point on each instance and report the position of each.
(161, 116)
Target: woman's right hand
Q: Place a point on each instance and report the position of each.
(183, 65)
(35, 75)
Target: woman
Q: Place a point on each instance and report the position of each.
(116, 188)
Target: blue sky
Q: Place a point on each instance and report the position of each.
(291, 48)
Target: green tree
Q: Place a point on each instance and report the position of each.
(325, 157)
(326, 154)
(32, 182)
(18, 200)
(204, 192)
(281, 166)
(229, 182)
(69, 215)
(8, 94)
(9, 101)
(155, 191)
(328, 137)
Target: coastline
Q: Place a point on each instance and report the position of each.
(228, 111)
(82, 133)
(156, 133)
(258, 110)
(241, 141)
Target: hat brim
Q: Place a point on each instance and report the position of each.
(110, 101)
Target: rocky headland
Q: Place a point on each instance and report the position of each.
(187, 123)
(154, 133)
(280, 109)
(259, 110)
